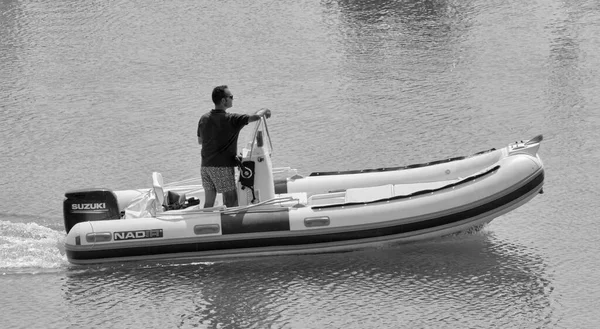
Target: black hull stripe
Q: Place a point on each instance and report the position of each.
(281, 241)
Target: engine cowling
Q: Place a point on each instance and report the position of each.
(89, 205)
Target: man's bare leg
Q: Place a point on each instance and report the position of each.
(230, 198)
(209, 196)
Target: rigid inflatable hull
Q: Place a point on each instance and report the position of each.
(309, 229)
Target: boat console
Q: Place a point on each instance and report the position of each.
(256, 182)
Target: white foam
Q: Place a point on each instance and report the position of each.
(30, 247)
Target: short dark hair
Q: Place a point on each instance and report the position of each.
(218, 94)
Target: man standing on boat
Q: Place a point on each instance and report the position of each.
(218, 133)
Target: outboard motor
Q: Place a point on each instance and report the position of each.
(89, 205)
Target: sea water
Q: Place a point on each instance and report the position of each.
(101, 94)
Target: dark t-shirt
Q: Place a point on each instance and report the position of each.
(219, 131)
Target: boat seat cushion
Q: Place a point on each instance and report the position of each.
(367, 194)
(174, 200)
(159, 193)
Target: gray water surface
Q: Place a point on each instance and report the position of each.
(101, 94)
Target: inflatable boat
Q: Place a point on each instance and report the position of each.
(282, 212)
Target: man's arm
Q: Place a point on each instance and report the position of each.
(259, 114)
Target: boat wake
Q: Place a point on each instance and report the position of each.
(30, 248)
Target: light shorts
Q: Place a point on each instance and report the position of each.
(220, 179)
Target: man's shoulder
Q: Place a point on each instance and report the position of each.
(205, 115)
